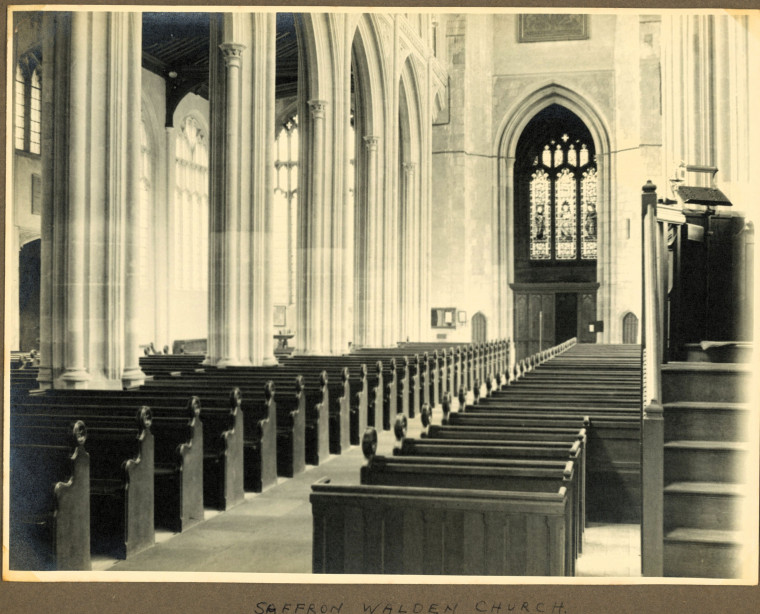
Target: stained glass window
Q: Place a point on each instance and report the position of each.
(563, 201)
(540, 216)
(567, 214)
(588, 215)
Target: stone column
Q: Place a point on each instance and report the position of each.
(91, 140)
(132, 26)
(75, 372)
(318, 269)
(410, 268)
(229, 347)
(373, 228)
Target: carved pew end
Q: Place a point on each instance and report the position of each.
(426, 415)
(369, 443)
(399, 427)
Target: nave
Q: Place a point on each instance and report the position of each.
(513, 448)
(271, 532)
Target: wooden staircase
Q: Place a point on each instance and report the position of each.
(706, 437)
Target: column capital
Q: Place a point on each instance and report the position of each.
(318, 108)
(371, 141)
(410, 167)
(233, 53)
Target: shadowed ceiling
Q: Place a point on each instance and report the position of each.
(176, 47)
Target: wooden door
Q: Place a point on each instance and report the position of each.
(534, 322)
(479, 331)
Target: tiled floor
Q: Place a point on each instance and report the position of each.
(271, 531)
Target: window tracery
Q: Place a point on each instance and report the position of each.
(563, 201)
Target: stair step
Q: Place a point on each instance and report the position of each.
(703, 505)
(704, 461)
(702, 553)
(707, 445)
(707, 488)
(704, 536)
(706, 381)
(706, 420)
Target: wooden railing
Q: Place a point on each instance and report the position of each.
(654, 297)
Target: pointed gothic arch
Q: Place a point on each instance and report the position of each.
(508, 134)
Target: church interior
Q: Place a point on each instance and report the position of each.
(444, 293)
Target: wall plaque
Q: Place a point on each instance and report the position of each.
(536, 27)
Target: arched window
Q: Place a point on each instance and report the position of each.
(562, 196)
(191, 207)
(285, 212)
(35, 106)
(20, 108)
(27, 105)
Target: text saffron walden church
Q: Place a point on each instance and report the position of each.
(382, 293)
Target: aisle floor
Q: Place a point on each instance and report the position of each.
(271, 532)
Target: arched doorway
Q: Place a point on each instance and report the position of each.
(479, 330)
(555, 231)
(630, 328)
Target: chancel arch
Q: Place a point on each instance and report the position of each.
(530, 291)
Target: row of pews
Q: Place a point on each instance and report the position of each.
(503, 486)
(471, 497)
(95, 472)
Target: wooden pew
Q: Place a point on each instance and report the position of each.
(372, 375)
(397, 383)
(121, 482)
(512, 439)
(410, 376)
(613, 456)
(284, 397)
(482, 474)
(241, 448)
(399, 530)
(319, 396)
(49, 511)
(222, 418)
(178, 446)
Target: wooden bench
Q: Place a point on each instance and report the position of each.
(121, 482)
(500, 441)
(240, 438)
(318, 397)
(222, 424)
(372, 375)
(49, 511)
(483, 474)
(178, 446)
(400, 530)
(283, 403)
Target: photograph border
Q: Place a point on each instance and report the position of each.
(404, 595)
